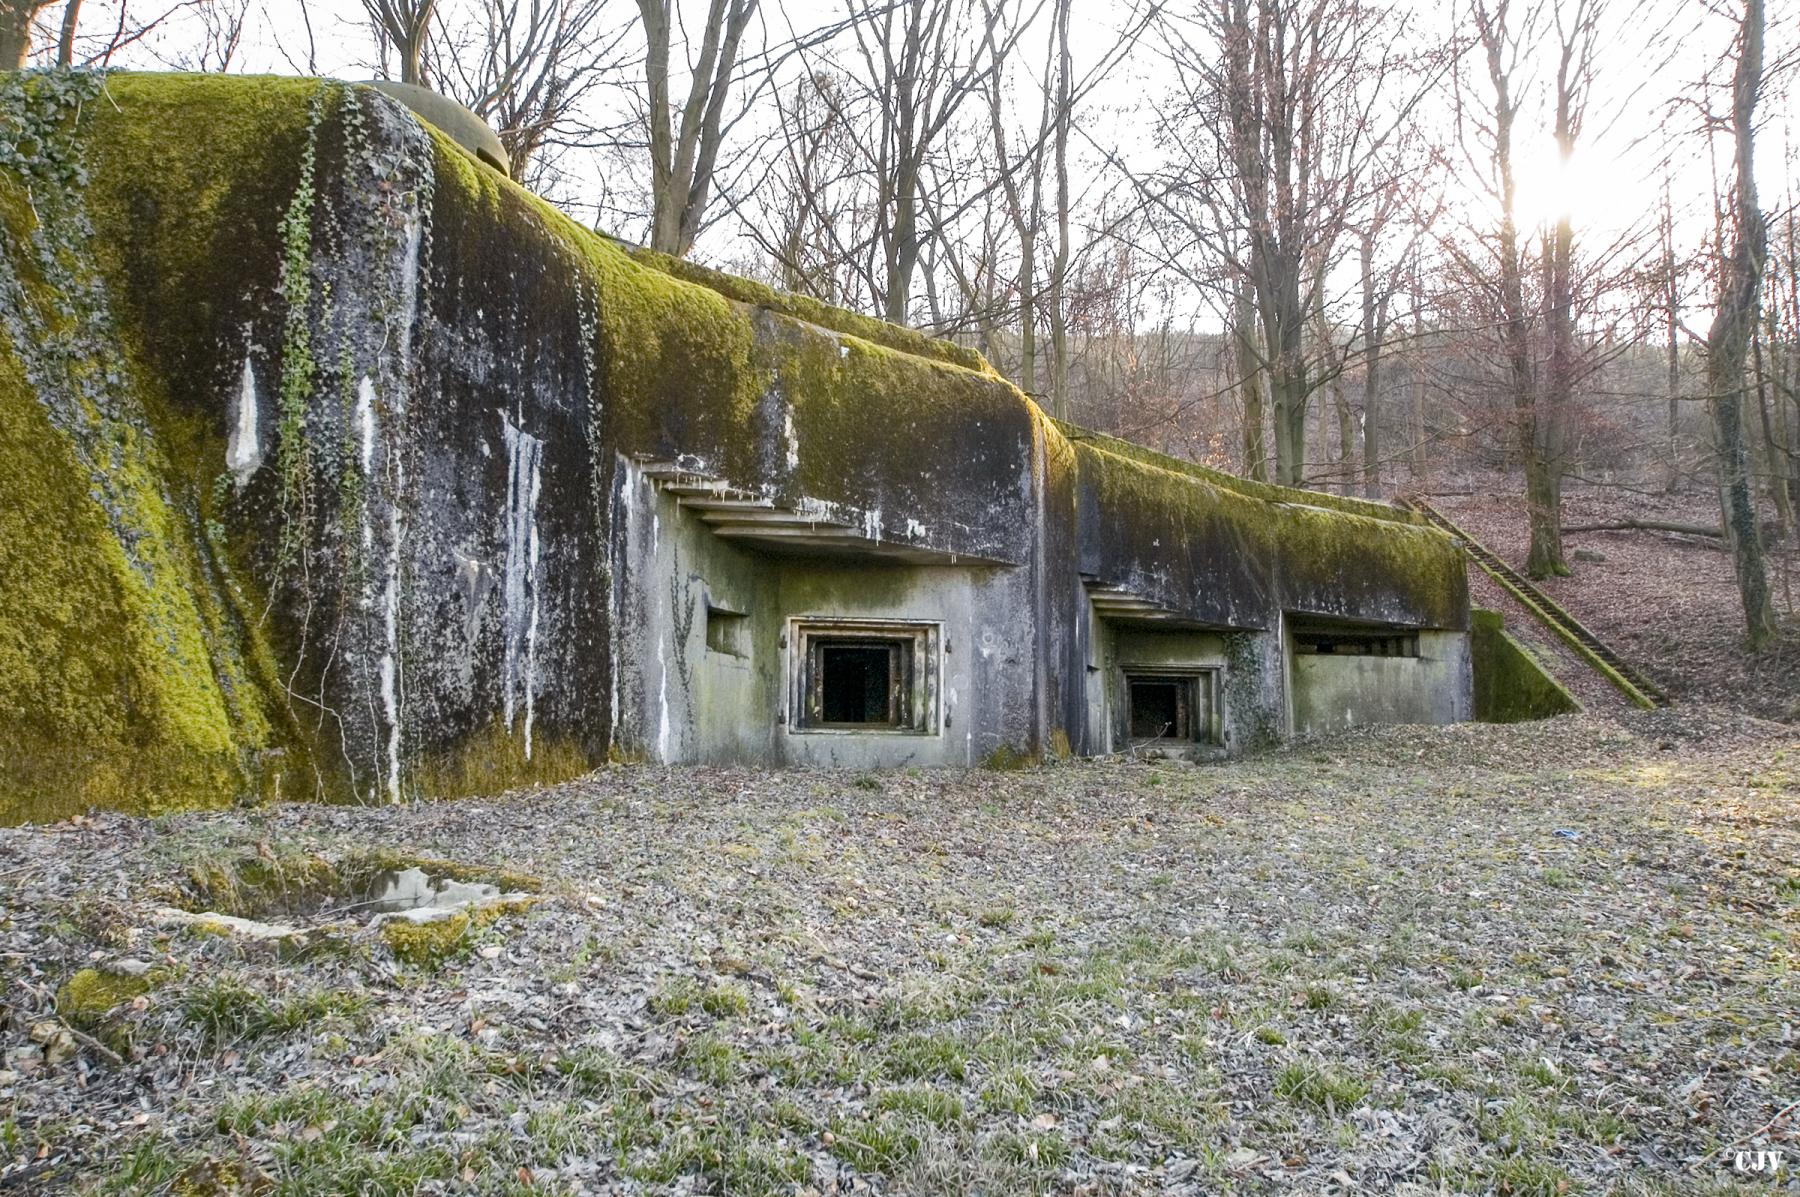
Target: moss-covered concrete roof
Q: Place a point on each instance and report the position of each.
(200, 619)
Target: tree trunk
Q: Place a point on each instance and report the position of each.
(1728, 341)
(1671, 298)
(15, 32)
(65, 44)
(409, 43)
(1542, 494)
(903, 245)
(1346, 435)
(1774, 465)
(1028, 314)
(682, 160)
(1284, 333)
(1374, 318)
(1546, 555)
(1289, 401)
(1637, 525)
(1416, 457)
(1788, 391)
(1249, 374)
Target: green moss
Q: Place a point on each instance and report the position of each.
(812, 311)
(430, 946)
(1319, 560)
(856, 406)
(493, 760)
(686, 357)
(1009, 759)
(160, 694)
(279, 881)
(106, 697)
(675, 360)
(1511, 685)
(1247, 487)
(362, 868)
(91, 994)
(269, 883)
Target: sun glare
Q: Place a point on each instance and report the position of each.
(1587, 190)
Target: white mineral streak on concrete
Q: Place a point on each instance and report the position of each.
(628, 474)
(532, 627)
(243, 453)
(409, 285)
(792, 441)
(390, 657)
(365, 421)
(663, 730)
(524, 453)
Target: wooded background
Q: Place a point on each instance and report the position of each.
(1362, 246)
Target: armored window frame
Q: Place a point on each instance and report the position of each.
(1196, 700)
(912, 670)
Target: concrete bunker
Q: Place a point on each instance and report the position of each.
(1158, 688)
(596, 504)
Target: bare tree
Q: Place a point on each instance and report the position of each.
(16, 17)
(1059, 262)
(684, 143)
(1248, 358)
(920, 60)
(1286, 113)
(406, 26)
(82, 37)
(808, 222)
(65, 42)
(1727, 341)
(1022, 185)
(529, 69)
(218, 32)
(1381, 281)
(1668, 297)
(1577, 33)
(1541, 392)
(1035, 185)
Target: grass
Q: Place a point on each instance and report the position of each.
(1194, 993)
(922, 1102)
(925, 1057)
(226, 1012)
(1320, 1087)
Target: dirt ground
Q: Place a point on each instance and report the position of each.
(1539, 959)
(1669, 604)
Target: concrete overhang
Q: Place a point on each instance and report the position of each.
(1122, 605)
(803, 529)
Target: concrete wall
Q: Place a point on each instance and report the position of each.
(1511, 684)
(681, 700)
(1332, 692)
(1120, 649)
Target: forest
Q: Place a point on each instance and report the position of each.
(1495, 246)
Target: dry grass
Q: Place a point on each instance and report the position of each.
(1536, 959)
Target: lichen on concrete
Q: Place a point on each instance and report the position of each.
(1510, 684)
